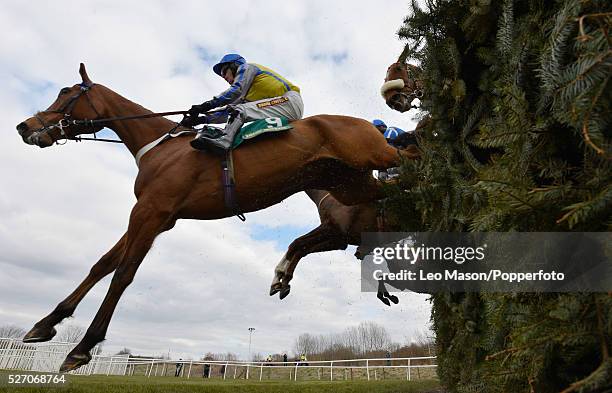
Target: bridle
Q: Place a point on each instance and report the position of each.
(416, 92)
(66, 121)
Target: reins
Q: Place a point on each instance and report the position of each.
(91, 123)
(120, 118)
(66, 121)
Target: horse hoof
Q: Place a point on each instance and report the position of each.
(285, 292)
(393, 298)
(37, 335)
(74, 361)
(274, 289)
(383, 299)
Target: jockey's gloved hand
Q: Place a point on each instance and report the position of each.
(202, 108)
(188, 121)
(192, 121)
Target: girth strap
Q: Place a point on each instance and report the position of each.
(146, 148)
(229, 186)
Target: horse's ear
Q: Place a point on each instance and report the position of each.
(402, 57)
(84, 76)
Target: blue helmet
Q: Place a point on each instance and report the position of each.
(378, 122)
(229, 58)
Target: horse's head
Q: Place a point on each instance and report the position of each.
(65, 117)
(402, 85)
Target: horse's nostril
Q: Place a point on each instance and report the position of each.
(22, 127)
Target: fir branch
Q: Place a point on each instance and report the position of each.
(583, 72)
(504, 33)
(583, 36)
(585, 123)
(508, 192)
(500, 135)
(582, 210)
(530, 344)
(578, 384)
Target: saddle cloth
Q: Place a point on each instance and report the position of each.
(253, 129)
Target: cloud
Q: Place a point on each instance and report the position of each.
(203, 283)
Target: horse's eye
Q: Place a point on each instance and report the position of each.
(65, 90)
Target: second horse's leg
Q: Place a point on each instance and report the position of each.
(322, 238)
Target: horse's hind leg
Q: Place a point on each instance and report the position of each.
(146, 222)
(357, 187)
(384, 295)
(44, 329)
(323, 238)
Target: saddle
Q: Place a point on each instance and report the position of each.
(247, 132)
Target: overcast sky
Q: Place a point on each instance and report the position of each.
(205, 282)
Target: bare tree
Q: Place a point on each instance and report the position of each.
(377, 337)
(124, 351)
(220, 356)
(355, 340)
(426, 340)
(70, 333)
(305, 344)
(11, 331)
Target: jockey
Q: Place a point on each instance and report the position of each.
(397, 138)
(255, 92)
(390, 133)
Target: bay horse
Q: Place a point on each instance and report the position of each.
(334, 153)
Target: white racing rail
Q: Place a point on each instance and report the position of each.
(47, 357)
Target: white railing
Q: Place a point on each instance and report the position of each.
(184, 368)
(48, 357)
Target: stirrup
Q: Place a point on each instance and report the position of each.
(205, 136)
(213, 145)
(210, 133)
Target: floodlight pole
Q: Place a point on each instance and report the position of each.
(251, 330)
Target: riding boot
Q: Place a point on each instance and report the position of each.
(234, 123)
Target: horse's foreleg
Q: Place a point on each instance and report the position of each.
(323, 238)
(146, 222)
(388, 156)
(44, 329)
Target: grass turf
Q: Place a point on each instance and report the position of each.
(140, 384)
